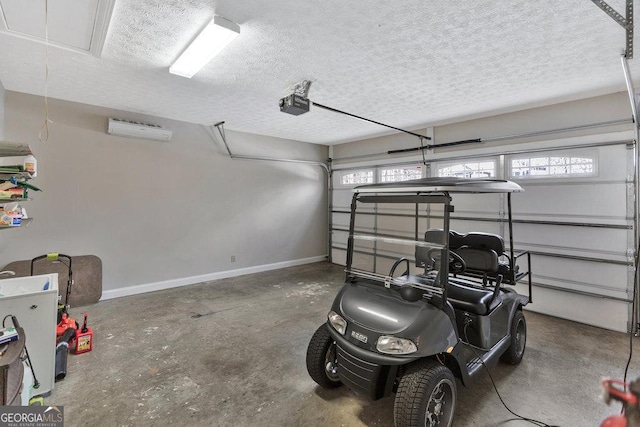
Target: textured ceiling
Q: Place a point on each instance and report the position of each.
(409, 64)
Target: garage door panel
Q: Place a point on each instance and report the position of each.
(579, 308)
(397, 226)
(476, 226)
(599, 242)
(425, 224)
(341, 220)
(562, 201)
(339, 256)
(396, 251)
(340, 237)
(608, 277)
(364, 222)
(362, 261)
(488, 204)
(342, 198)
(611, 161)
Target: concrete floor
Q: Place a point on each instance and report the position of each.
(232, 353)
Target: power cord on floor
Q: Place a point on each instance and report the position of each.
(633, 319)
(518, 416)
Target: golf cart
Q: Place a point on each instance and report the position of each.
(413, 327)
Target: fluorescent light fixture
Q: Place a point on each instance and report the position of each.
(215, 36)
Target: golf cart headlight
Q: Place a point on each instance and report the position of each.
(395, 345)
(338, 323)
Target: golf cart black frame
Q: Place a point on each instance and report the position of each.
(374, 374)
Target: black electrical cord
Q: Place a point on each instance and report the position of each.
(5, 319)
(16, 324)
(520, 417)
(633, 319)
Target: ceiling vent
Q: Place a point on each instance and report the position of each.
(138, 130)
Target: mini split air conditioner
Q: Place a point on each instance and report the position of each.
(138, 130)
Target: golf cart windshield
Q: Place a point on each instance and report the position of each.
(400, 232)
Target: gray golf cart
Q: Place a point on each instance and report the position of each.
(434, 315)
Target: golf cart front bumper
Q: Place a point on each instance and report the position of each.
(365, 372)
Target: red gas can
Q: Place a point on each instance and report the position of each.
(84, 339)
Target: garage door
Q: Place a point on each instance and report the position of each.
(575, 217)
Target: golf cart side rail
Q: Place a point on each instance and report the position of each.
(516, 277)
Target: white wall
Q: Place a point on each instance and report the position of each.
(2, 96)
(157, 211)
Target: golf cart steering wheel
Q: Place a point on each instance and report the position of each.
(396, 264)
(456, 263)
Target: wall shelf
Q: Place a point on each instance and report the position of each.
(14, 200)
(12, 149)
(19, 175)
(24, 223)
(9, 149)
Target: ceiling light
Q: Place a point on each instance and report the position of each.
(215, 36)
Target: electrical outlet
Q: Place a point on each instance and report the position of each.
(233, 258)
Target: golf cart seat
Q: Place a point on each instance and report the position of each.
(436, 235)
(482, 253)
(471, 299)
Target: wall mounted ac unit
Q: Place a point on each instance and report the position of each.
(138, 130)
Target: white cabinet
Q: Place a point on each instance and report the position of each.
(34, 302)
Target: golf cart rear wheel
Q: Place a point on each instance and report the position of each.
(514, 353)
(426, 396)
(321, 359)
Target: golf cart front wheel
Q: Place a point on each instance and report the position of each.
(515, 352)
(426, 396)
(322, 362)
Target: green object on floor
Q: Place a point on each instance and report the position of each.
(36, 401)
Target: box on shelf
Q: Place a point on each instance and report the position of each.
(7, 335)
(10, 215)
(10, 220)
(13, 193)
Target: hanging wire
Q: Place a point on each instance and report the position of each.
(43, 135)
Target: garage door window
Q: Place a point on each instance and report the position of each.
(357, 177)
(468, 169)
(400, 173)
(554, 165)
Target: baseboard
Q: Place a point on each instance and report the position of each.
(185, 281)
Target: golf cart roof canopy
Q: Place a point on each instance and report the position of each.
(443, 185)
